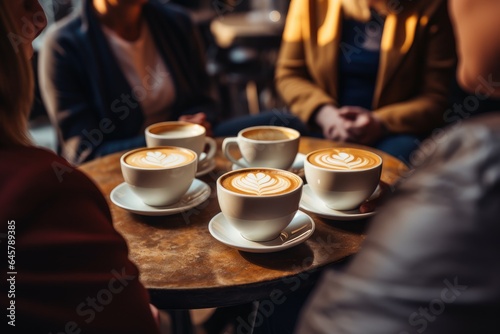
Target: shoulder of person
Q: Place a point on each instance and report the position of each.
(36, 172)
(64, 29)
(32, 160)
(65, 37)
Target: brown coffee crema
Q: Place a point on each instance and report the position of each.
(269, 134)
(260, 182)
(176, 130)
(344, 159)
(157, 158)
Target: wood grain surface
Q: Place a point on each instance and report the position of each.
(184, 267)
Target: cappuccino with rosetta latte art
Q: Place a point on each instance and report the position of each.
(159, 175)
(157, 158)
(260, 182)
(259, 202)
(344, 159)
(342, 177)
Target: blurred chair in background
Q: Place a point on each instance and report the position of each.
(244, 54)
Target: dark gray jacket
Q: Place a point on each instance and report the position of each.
(431, 260)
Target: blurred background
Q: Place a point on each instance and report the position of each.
(241, 39)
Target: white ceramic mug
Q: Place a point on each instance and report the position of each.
(264, 146)
(259, 202)
(182, 134)
(159, 176)
(343, 178)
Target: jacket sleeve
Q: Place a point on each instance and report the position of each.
(425, 111)
(292, 77)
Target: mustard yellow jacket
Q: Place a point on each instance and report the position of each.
(417, 62)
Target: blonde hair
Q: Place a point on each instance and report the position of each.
(360, 9)
(16, 84)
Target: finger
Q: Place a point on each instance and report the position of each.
(340, 134)
(348, 113)
(363, 121)
(201, 116)
(184, 118)
(327, 132)
(197, 118)
(357, 110)
(353, 130)
(352, 112)
(353, 135)
(333, 134)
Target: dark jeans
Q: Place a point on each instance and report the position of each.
(399, 146)
(268, 317)
(283, 317)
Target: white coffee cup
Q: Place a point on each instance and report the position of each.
(159, 176)
(182, 134)
(343, 178)
(264, 146)
(259, 202)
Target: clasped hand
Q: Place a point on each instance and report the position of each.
(349, 124)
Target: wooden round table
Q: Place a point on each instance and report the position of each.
(184, 267)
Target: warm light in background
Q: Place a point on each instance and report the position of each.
(274, 16)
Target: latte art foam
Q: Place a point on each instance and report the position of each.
(350, 159)
(161, 158)
(260, 183)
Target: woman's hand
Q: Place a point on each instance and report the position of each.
(332, 124)
(349, 124)
(199, 118)
(364, 127)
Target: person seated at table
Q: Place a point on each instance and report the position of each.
(67, 268)
(116, 67)
(430, 260)
(371, 72)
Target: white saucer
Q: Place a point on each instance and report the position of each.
(297, 165)
(298, 231)
(313, 204)
(123, 197)
(208, 167)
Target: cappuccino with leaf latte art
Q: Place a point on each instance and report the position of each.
(344, 159)
(260, 182)
(156, 158)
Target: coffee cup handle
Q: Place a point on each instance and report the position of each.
(212, 148)
(226, 146)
